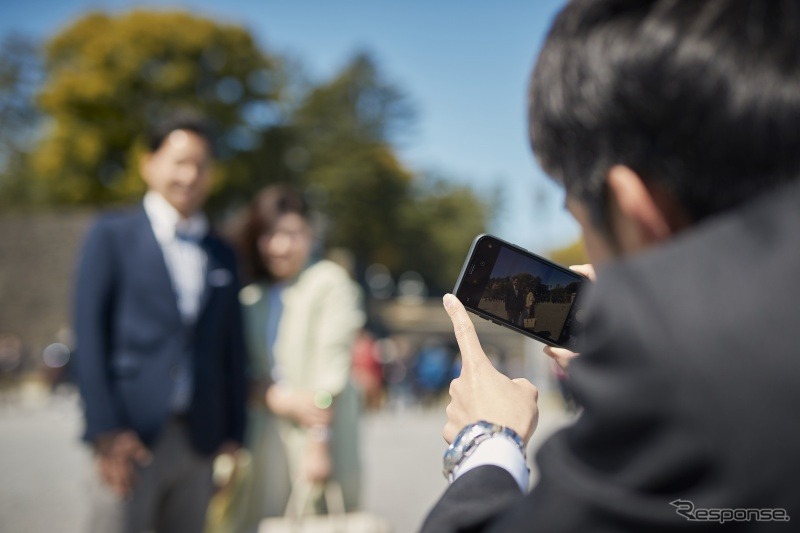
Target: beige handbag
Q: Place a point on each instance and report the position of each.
(529, 323)
(294, 519)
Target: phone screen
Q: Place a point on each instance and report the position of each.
(522, 291)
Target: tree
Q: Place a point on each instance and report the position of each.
(344, 129)
(380, 209)
(20, 71)
(109, 77)
(572, 254)
(441, 221)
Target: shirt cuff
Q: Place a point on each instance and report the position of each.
(498, 451)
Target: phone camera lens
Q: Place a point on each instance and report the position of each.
(483, 263)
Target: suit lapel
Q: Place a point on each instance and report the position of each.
(212, 265)
(147, 251)
(218, 274)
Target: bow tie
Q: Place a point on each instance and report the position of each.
(188, 236)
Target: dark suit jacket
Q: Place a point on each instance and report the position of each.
(690, 384)
(514, 302)
(129, 333)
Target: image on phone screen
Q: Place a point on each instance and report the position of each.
(522, 291)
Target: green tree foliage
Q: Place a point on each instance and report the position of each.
(441, 221)
(381, 210)
(343, 129)
(108, 77)
(19, 78)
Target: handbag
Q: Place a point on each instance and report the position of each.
(529, 323)
(336, 521)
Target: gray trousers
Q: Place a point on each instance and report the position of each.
(170, 496)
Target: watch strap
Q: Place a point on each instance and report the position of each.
(468, 440)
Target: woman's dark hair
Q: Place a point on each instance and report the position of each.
(701, 99)
(193, 122)
(262, 215)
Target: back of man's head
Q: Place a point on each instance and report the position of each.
(701, 99)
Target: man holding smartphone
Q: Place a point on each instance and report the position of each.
(674, 127)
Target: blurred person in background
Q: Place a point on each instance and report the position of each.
(530, 303)
(514, 301)
(160, 356)
(674, 126)
(367, 372)
(301, 318)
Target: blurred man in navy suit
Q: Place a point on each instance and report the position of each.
(160, 357)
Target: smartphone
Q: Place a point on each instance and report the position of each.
(522, 291)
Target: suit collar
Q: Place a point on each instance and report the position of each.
(166, 221)
(147, 250)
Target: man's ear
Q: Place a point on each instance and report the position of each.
(638, 217)
(145, 161)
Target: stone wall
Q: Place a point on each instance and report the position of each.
(38, 252)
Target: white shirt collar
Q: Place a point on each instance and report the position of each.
(165, 219)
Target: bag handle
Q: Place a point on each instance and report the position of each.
(301, 495)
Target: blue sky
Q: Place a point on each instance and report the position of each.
(463, 64)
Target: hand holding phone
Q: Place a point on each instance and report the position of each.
(522, 291)
(481, 392)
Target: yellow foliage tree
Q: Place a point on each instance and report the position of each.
(108, 77)
(573, 254)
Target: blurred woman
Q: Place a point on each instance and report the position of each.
(530, 303)
(301, 317)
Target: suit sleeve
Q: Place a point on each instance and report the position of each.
(631, 452)
(473, 501)
(93, 317)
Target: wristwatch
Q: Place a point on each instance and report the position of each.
(468, 439)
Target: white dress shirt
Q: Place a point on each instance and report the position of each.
(498, 451)
(186, 260)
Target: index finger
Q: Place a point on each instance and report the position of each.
(467, 338)
(561, 356)
(586, 270)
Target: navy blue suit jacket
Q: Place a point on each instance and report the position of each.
(130, 332)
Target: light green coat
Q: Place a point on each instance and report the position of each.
(321, 315)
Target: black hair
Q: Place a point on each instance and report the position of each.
(269, 205)
(700, 98)
(180, 121)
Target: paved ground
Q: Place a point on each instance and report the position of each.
(550, 317)
(44, 468)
